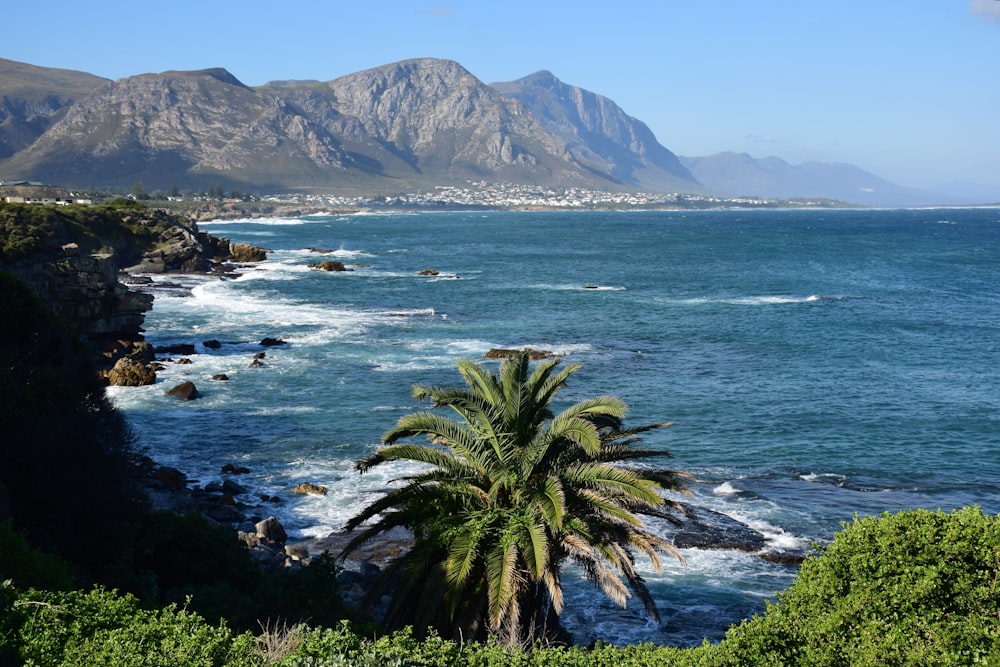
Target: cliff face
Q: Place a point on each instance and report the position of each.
(71, 257)
(84, 290)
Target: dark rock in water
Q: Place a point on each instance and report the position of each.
(185, 391)
(212, 344)
(260, 355)
(428, 272)
(221, 377)
(183, 360)
(181, 348)
(271, 342)
(700, 528)
(502, 353)
(784, 558)
(170, 478)
(256, 363)
(232, 469)
(329, 265)
(231, 487)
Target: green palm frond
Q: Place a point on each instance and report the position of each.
(536, 551)
(504, 582)
(551, 500)
(481, 381)
(463, 554)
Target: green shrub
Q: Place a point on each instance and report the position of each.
(100, 627)
(28, 567)
(915, 588)
(340, 647)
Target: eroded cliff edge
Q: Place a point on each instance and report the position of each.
(76, 259)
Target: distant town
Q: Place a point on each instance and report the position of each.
(525, 197)
(474, 195)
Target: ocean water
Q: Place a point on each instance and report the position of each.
(816, 365)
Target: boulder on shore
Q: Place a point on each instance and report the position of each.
(128, 372)
(271, 531)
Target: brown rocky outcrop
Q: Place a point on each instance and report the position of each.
(183, 248)
(128, 372)
(310, 488)
(504, 353)
(245, 253)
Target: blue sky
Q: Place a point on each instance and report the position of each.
(909, 90)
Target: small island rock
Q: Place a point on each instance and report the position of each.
(309, 487)
(185, 391)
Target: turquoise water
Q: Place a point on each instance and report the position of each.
(816, 364)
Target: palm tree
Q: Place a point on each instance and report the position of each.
(509, 493)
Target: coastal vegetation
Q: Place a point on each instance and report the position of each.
(914, 588)
(513, 492)
(120, 225)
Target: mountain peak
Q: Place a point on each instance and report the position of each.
(599, 134)
(542, 77)
(217, 73)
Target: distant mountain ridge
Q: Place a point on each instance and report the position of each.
(738, 174)
(416, 123)
(400, 127)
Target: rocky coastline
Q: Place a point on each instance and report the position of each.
(103, 293)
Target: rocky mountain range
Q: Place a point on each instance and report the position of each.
(397, 128)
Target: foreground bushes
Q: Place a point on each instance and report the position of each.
(101, 628)
(915, 588)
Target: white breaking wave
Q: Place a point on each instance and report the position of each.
(726, 489)
(259, 221)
